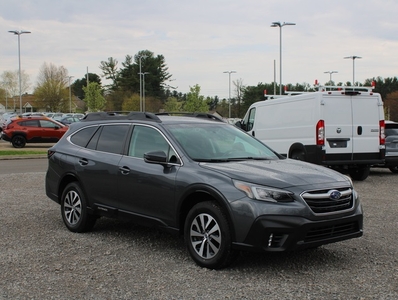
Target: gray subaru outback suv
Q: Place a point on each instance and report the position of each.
(220, 188)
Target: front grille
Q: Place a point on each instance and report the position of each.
(322, 201)
(326, 232)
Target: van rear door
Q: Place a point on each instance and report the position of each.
(367, 113)
(351, 127)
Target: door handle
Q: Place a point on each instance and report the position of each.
(83, 161)
(124, 170)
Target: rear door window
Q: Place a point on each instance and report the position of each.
(112, 138)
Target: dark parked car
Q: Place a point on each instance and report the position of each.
(391, 159)
(32, 129)
(207, 180)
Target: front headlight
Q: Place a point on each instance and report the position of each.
(263, 193)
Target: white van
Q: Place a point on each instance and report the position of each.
(342, 128)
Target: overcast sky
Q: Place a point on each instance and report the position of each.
(201, 39)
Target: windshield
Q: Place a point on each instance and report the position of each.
(218, 142)
(391, 131)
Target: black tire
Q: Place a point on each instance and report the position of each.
(359, 174)
(298, 155)
(18, 141)
(394, 169)
(208, 236)
(74, 209)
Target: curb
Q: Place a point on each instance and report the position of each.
(14, 157)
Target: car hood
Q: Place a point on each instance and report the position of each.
(281, 173)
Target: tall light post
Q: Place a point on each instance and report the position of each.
(70, 95)
(140, 73)
(18, 33)
(353, 66)
(229, 91)
(330, 73)
(280, 25)
(143, 89)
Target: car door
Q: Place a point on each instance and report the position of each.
(98, 164)
(50, 131)
(147, 189)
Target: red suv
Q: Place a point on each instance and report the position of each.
(22, 130)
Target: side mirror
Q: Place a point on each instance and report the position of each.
(155, 157)
(241, 125)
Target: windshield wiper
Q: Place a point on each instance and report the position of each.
(212, 159)
(248, 158)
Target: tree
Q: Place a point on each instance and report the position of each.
(195, 102)
(110, 72)
(239, 88)
(391, 106)
(127, 79)
(52, 90)
(93, 95)
(384, 86)
(173, 105)
(78, 85)
(131, 103)
(10, 84)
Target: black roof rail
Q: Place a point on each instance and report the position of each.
(133, 115)
(193, 114)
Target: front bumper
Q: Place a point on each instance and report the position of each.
(285, 233)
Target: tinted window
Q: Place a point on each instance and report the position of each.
(82, 137)
(30, 123)
(146, 139)
(112, 138)
(48, 124)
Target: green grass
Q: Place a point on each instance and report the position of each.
(20, 152)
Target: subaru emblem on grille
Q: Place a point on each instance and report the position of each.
(334, 195)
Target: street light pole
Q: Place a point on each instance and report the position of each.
(143, 89)
(18, 33)
(330, 73)
(280, 25)
(140, 73)
(353, 66)
(70, 95)
(229, 91)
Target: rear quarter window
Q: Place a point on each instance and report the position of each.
(82, 137)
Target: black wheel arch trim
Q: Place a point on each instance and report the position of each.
(296, 147)
(188, 200)
(19, 133)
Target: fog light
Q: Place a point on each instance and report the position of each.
(271, 236)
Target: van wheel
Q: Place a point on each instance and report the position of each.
(360, 173)
(208, 236)
(298, 155)
(394, 169)
(18, 141)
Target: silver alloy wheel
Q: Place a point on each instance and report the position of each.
(205, 235)
(72, 207)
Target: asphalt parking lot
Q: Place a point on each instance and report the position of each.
(41, 259)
